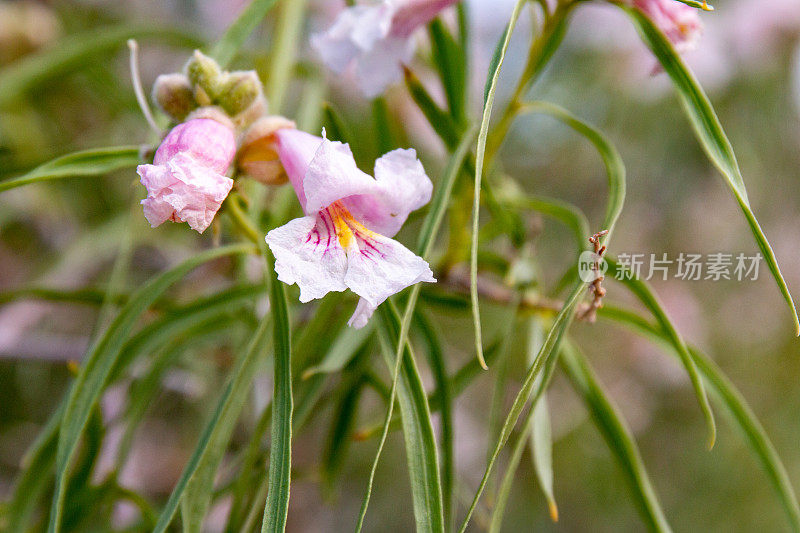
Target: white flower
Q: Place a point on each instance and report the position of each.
(377, 38)
(344, 241)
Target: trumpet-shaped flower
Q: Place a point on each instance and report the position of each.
(679, 22)
(377, 38)
(344, 241)
(186, 182)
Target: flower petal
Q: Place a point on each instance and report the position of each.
(414, 13)
(183, 190)
(332, 175)
(379, 267)
(401, 186)
(307, 252)
(381, 65)
(356, 29)
(207, 141)
(296, 149)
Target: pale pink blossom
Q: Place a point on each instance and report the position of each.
(679, 22)
(377, 38)
(186, 182)
(344, 241)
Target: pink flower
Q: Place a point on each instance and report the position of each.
(377, 38)
(344, 241)
(679, 22)
(186, 182)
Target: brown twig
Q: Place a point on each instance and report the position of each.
(590, 313)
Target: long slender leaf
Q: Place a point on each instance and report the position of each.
(217, 430)
(711, 136)
(95, 162)
(615, 168)
(619, 437)
(542, 461)
(439, 368)
(101, 359)
(643, 292)
(489, 94)
(288, 30)
(280, 455)
(75, 51)
(548, 351)
(229, 44)
(199, 491)
(728, 395)
(421, 453)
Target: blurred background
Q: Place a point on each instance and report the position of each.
(67, 234)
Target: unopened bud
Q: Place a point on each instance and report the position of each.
(239, 91)
(206, 76)
(173, 94)
(258, 156)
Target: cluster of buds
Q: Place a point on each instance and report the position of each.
(187, 181)
(204, 84)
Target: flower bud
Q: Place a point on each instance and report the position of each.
(173, 94)
(258, 156)
(206, 77)
(239, 91)
(186, 182)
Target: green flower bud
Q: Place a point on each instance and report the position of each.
(239, 91)
(206, 77)
(173, 94)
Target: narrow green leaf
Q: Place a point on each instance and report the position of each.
(199, 491)
(335, 126)
(71, 53)
(711, 136)
(252, 472)
(280, 455)
(541, 436)
(728, 395)
(238, 32)
(451, 61)
(35, 475)
(615, 168)
(440, 120)
(643, 292)
(542, 462)
(421, 452)
(217, 430)
(438, 366)
(93, 162)
(99, 362)
(619, 438)
(549, 350)
(489, 93)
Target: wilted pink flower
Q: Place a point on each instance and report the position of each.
(344, 241)
(186, 182)
(679, 22)
(377, 38)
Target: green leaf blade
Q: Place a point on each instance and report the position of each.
(712, 138)
(94, 162)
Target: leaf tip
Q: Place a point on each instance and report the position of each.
(551, 504)
(712, 436)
